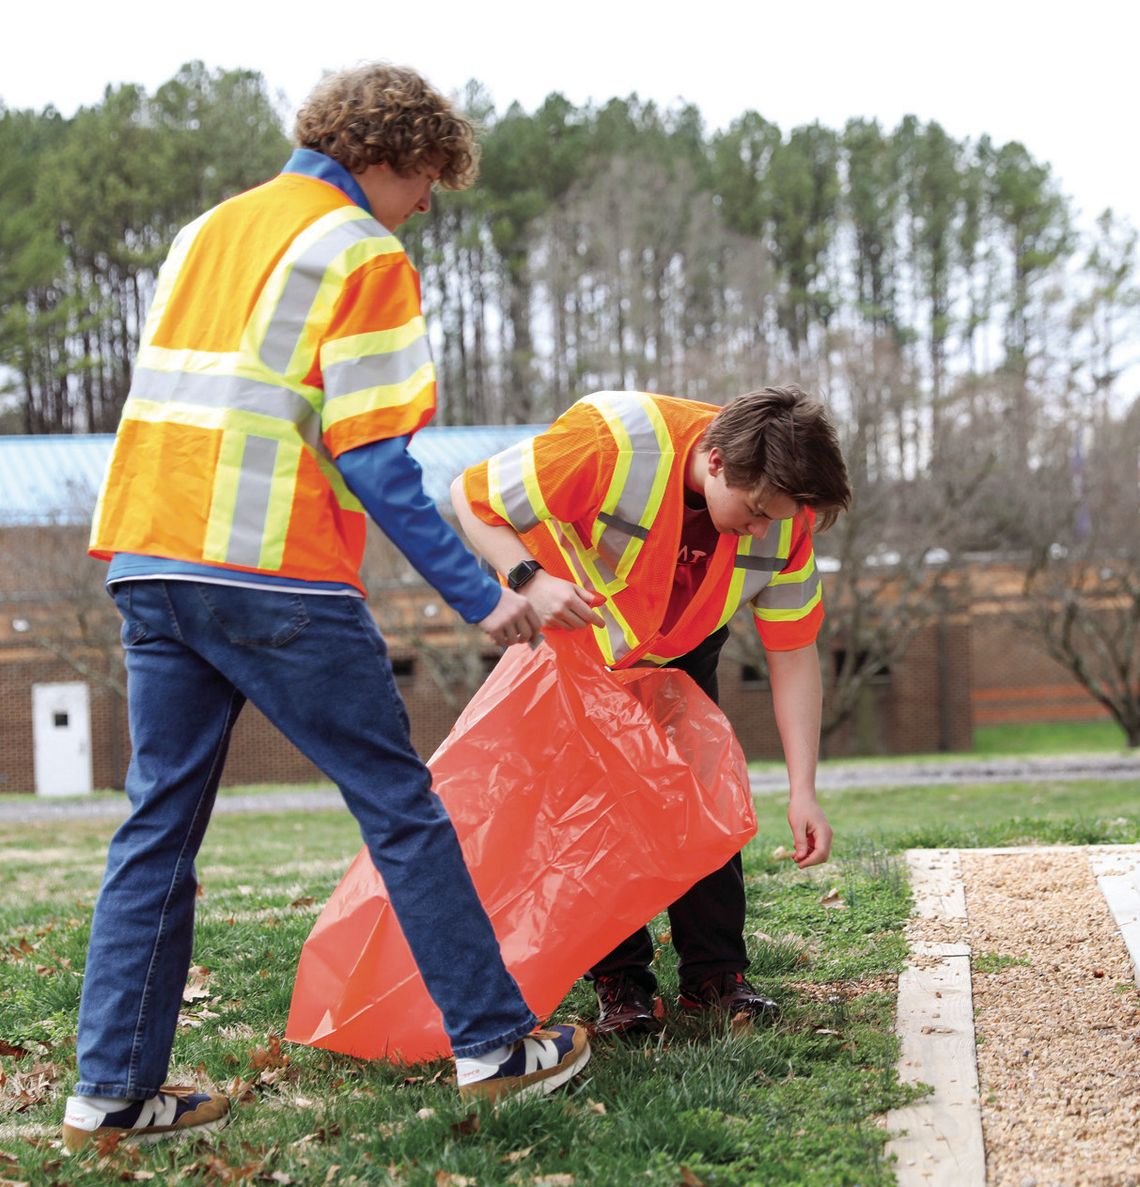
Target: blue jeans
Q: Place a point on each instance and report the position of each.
(317, 667)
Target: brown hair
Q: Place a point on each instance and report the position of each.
(378, 113)
(781, 439)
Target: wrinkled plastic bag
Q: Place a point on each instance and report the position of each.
(585, 801)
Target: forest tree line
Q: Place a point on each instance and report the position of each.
(973, 343)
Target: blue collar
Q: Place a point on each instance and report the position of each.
(311, 163)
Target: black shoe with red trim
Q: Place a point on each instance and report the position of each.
(626, 1007)
(730, 992)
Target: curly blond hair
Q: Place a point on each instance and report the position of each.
(378, 113)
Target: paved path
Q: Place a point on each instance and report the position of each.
(833, 776)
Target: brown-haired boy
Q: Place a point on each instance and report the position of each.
(678, 513)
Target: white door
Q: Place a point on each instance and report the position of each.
(61, 726)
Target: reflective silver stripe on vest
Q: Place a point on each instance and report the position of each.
(627, 520)
(251, 508)
(228, 391)
(618, 644)
(287, 325)
(791, 596)
(512, 489)
(759, 568)
(376, 370)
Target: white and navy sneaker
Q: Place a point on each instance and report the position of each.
(170, 1113)
(542, 1061)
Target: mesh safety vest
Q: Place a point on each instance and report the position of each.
(599, 499)
(286, 328)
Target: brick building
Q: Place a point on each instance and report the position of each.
(58, 635)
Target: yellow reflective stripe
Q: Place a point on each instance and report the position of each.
(280, 508)
(355, 346)
(513, 489)
(733, 597)
(294, 295)
(495, 492)
(372, 399)
(785, 547)
(789, 615)
(615, 638)
(629, 507)
(621, 466)
(794, 576)
(162, 358)
(203, 416)
(227, 475)
(169, 272)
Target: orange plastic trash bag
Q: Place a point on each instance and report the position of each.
(585, 801)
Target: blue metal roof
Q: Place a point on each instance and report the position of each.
(54, 479)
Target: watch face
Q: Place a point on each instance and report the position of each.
(522, 573)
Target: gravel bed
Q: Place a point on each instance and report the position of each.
(1058, 1023)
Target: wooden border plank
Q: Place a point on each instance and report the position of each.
(1118, 876)
(939, 1139)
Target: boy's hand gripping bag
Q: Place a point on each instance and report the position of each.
(585, 801)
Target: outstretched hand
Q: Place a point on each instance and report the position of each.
(810, 832)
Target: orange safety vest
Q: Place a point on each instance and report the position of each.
(599, 500)
(286, 328)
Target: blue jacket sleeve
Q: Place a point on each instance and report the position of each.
(385, 477)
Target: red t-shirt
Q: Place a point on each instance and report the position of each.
(698, 542)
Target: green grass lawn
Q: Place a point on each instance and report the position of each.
(797, 1104)
(1048, 737)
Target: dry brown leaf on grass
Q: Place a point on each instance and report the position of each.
(688, 1179)
(596, 1106)
(306, 900)
(21, 1090)
(270, 1063)
(217, 1170)
(517, 1155)
(554, 1181)
(318, 1135)
(13, 1183)
(782, 853)
(196, 982)
(469, 1124)
(12, 1049)
(447, 1179)
(239, 1090)
(832, 899)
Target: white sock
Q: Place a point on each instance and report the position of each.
(468, 1069)
(104, 1104)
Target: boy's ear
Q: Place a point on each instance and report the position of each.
(714, 462)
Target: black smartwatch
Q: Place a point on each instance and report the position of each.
(522, 573)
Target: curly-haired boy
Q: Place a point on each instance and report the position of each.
(283, 369)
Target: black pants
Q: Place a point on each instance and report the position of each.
(708, 919)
